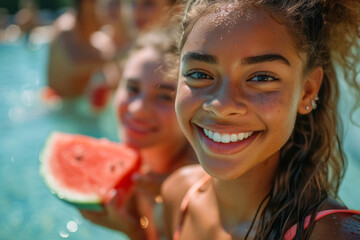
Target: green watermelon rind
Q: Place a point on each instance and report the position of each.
(81, 201)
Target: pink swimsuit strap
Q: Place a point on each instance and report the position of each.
(290, 234)
(185, 203)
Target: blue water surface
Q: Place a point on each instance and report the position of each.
(27, 209)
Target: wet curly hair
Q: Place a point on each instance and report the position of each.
(312, 162)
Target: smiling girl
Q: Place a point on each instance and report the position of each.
(144, 103)
(257, 99)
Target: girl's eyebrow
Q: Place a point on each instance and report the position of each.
(199, 56)
(265, 58)
(166, 87)
(202, 57)
(132, 80)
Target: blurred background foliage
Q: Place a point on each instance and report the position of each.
(14, 6)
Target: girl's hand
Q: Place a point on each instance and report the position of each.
(121, 218)
(149, 183)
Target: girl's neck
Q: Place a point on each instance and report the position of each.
(165, 159)
(240, 199)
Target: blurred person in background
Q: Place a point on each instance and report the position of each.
(144, 103)
(22, 23)
(26, 17)
(117, 25)
(150, 13)
(81, 56)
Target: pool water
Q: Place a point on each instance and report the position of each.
(27, 209)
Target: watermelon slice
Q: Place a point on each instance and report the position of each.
(83, 170)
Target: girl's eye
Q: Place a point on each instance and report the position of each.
(198, 76)
(165, 97)
(263, 78)
(132, 89)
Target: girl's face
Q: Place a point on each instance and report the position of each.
(148, 12)
(240, 85)
(145, 103)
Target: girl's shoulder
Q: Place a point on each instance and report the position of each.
(174, 189)
(177, 184)
(335, 224)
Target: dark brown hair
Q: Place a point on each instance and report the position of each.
(312, 162)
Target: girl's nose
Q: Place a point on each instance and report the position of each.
(139, 106)
(228, 101)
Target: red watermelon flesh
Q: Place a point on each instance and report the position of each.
(83, 170)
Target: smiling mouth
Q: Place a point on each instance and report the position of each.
(227, 137)
(138, 127)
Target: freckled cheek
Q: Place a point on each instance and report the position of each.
(277, 110)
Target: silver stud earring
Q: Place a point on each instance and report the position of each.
(307, 107)
(313, 104)
(317, 98)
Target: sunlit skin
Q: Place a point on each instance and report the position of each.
(149, 12)
(238, 74)
(147, 121)
(246, 76)
(145, 105)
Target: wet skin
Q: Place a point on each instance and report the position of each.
(145, 103)
(240, 74)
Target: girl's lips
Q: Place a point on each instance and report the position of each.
(137, 128)
(224, 148)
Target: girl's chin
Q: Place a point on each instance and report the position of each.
(222, 170)
(142, 145)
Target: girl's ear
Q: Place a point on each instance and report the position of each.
(310, 90)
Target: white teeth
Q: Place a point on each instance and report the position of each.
(217, 137)
(233, 137)
(226, 137)
(241, 136)
(211, 134)
(206, 132)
